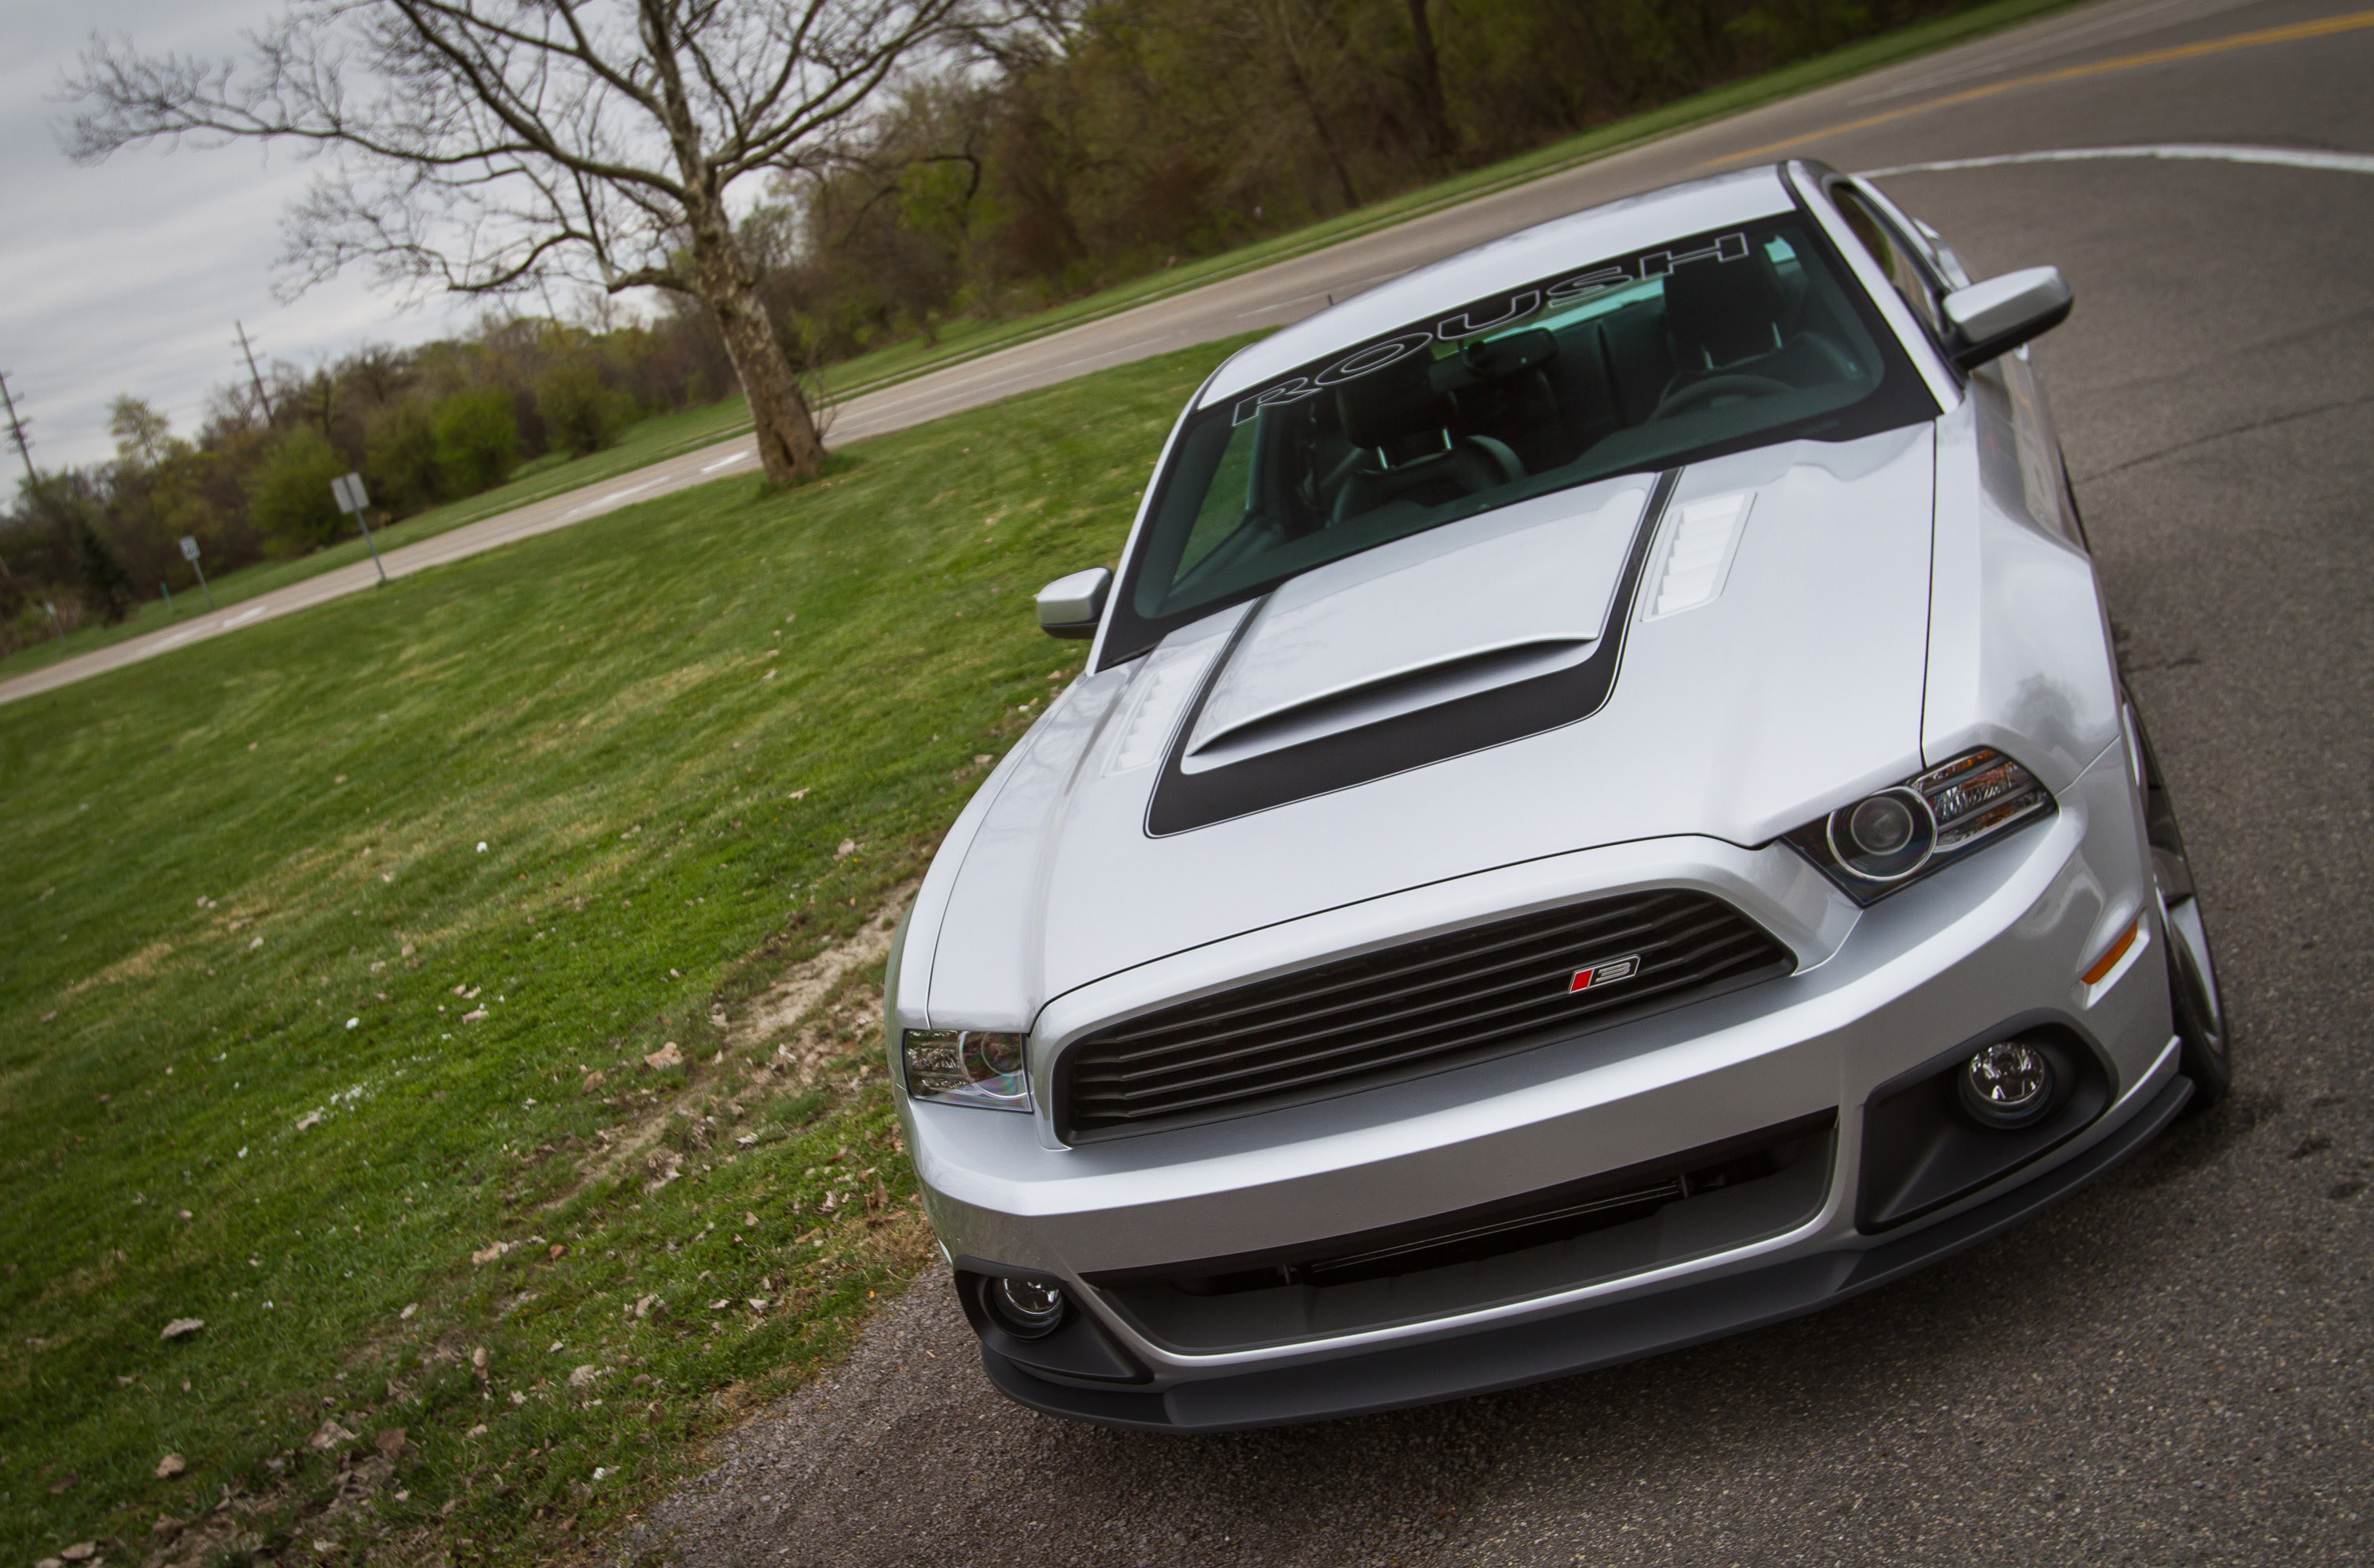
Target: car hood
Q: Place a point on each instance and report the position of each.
(1768, 667)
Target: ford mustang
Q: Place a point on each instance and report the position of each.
(1600, 812)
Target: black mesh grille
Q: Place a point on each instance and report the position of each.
(1406, 1011)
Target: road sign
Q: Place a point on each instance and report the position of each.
(189, 548)
(348, 490)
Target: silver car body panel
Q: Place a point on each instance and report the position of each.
(1935, 572)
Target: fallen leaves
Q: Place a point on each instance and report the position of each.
(181, 1327)
(310, 1118)
(476, 1015)
(584, 1377)
(481, 1257)
(329, 1436)
(170, 1466)
(668, 1056)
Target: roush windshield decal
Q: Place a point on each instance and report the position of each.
(1494, 313)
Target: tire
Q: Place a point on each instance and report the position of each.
(2194, 1004)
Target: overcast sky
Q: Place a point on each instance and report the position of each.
(128, 277)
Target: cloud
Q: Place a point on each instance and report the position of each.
(128, 277)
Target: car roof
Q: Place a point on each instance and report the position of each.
(1633, 223)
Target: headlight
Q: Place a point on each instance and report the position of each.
(966, 1067)
(1878, 844)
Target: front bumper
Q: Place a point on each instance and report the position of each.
(1998, 941)
(1583, 1339)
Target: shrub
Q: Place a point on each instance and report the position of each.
(477, 440)
(581, 413)
(289, 495)
(402, 458)
(106, 586)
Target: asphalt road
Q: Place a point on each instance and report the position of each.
(2175, 1366)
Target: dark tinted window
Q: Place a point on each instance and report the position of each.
(1895, 257)
(1709, 344)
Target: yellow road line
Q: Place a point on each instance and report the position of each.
(2293, 33)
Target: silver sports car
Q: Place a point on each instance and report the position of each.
(1600, 813)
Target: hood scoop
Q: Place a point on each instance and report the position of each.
(1357, 707)
(1463, 637)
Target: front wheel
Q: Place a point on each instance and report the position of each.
(2199, 1013)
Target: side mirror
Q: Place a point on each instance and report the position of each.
(1071, 606)
(1990, 319)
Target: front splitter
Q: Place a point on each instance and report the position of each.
(1580, 1341)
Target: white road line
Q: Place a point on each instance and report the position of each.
(729, 462)
(2182, 152)
(242, 620)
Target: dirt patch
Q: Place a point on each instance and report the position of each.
(808, 1016)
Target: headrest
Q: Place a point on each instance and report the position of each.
(1382, 406)
(1722, 313)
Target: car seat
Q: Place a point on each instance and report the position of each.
(1396, 414)
(1735, 319)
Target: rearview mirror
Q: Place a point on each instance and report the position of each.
(1990, 319)
(1071, 606)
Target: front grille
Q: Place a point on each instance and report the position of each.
(1407, 1011)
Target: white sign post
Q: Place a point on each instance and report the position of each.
(349, 491)
(190, 554)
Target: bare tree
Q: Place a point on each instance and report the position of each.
(486, 147)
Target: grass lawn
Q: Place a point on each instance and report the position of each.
(331, 955)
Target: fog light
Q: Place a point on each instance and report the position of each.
(1028, 1307)
(2007, 1084)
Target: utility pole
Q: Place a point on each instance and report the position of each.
(253, 378)
(17, 434)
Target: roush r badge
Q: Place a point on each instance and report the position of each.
(1606, 972)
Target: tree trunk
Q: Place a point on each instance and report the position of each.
(1301, 86)
(788, 445)
(1430, 84)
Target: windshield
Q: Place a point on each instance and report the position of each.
(1705, 345)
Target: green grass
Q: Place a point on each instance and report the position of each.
(602, 784)
(646, 442)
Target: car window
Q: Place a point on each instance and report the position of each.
(1708, 343)
(1894, 257)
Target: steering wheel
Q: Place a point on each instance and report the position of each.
(1698, 393)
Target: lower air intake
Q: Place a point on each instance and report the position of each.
(1405, 1011)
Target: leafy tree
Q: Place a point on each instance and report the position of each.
(142, 435)
(491, 146)
(106, 586)
(401, 456)
(477, 440)
(580, 412)
(288, 497)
